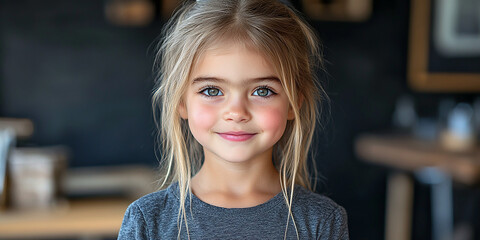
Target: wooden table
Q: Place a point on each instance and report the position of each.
(422, 157)
(86, 218)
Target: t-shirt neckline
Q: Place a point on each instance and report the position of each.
(205, 208)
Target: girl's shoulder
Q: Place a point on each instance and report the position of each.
(314, 201)
(324, 214)
(154, 205)
(158, 199)
(149, 213)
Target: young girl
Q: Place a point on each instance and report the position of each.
(238, 111)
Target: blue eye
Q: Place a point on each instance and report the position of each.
(212, 92)
(263, 92)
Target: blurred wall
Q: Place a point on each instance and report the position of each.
(366, 72)
(83, 81)
(86, 84)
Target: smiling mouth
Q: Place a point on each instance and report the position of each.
(236, 136)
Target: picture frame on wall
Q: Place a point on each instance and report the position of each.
(338, 10)
(444, 46)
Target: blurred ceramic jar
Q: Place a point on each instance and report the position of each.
(35, 176)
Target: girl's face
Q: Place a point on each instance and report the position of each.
(235, 104)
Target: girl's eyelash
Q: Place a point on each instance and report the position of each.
(268, 88)
(208, 87)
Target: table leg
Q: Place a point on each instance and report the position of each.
(398, 220)
(441, 201)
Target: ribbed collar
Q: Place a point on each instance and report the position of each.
(198, 206)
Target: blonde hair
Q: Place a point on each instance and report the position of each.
(266, 25)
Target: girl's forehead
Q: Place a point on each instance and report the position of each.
(225, 46)
(219, 57)
(226, 49)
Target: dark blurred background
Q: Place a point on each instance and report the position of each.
(86, 83)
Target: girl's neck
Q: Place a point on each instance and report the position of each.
(242, 184)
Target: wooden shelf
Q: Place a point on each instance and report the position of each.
(79, 218)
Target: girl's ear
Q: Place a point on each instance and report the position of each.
(291, 114)
(182, 110)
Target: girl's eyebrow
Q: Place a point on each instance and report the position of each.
(221, 80)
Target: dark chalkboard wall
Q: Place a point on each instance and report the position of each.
(83, 81)
(87, 83)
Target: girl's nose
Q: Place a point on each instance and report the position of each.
(237, 111)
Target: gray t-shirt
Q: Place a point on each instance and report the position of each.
(154, 216)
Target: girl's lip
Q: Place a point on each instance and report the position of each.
(236, 136)
(238, 133)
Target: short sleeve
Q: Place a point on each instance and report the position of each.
(335, 226)
(133, 225)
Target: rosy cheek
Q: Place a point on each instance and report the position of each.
(274, 120)
(201, 116)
